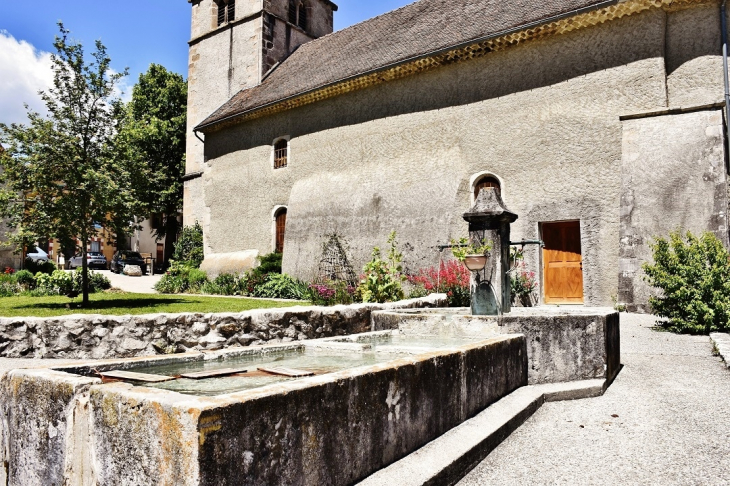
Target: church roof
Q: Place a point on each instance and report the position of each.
(416, 30)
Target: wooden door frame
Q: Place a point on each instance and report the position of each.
(541, 262)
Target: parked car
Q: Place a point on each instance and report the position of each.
(38, 256)
(126, 257)
(93, 259)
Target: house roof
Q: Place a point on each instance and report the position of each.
(410, 32)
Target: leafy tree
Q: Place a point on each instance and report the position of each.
(154, 138)
(60, 172)
(694, 276)
(189, 248)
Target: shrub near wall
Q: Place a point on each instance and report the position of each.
(693, 275)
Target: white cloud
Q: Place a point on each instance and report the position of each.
(24, 70)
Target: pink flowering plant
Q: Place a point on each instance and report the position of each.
(450, 278)
(332, 293)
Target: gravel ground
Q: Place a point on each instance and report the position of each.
(665, 420)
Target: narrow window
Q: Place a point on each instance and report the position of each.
(221, 14)
(302, 20)
(281, 153)
(488, 181)
(231, 11)
(293, 12)
(226, 11)
(280, 230)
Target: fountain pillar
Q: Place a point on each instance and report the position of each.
(489, 221)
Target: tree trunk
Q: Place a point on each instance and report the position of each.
(171, 229)
(84, 271)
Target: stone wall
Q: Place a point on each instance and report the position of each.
(673, 178)
(334, 429)
(543, 116)
(563, 344)
(95, 336)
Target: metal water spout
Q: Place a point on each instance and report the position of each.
(489, 221)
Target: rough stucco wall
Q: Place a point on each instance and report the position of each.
(544, 117)
(674, 177)
(694, 68)
(219, 66)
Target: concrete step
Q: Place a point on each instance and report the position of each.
(447, 459)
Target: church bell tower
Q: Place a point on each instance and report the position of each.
(234, 44)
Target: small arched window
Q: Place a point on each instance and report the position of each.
(280, 230)
(488, 181)
(226, 11)
(281, 153)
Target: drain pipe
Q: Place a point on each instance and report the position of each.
(723, 21)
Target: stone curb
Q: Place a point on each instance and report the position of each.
(721, 341)
(447, 459)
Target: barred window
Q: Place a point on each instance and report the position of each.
(226, 11)
(293, 11)
(488, 181)
(302, 20)
(298, 13)
(281, 153)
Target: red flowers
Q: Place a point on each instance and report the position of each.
(451, 278)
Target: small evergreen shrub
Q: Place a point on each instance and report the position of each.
(45, 267)
(189, 246)
(693, 275)
(383, 278)
(25, 279)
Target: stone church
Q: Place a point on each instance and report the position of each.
(601, 123)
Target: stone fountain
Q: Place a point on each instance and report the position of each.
(489, 221)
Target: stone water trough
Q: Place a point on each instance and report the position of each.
(369, 400)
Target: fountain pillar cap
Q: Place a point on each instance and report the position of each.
(489, 208)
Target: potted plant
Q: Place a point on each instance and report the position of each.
(473, 255)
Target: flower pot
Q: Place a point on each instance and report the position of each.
(475, 263)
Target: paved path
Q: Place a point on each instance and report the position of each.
(140, 285)
(672, 401)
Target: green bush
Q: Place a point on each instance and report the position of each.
(383, 279)
(694, 277)
(281, 286)
(25, 279)
(57, 283)
(224, 284)
(189, 246)
(99, 282)
(46, 267)
(182, 278)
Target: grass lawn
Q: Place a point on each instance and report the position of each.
(127, 303)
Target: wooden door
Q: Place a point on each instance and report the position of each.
(280, 231)
(562, 263)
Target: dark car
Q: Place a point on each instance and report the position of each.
(126, 257)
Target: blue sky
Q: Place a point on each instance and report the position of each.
(135, 32)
